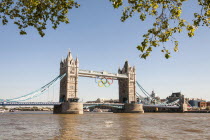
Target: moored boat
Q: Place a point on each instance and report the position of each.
(86, 110)
(2, 110)
(97, 110)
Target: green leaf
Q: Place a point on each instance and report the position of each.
(167, 56)
(23, 32)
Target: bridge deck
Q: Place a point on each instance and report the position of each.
(161, 106)
(85, 104)
(120, 104)
(29, 103)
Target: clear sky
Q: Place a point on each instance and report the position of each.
(102, 42)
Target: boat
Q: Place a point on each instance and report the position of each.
(97, 110)
(13, 110)
(2, 110)
(86, 110)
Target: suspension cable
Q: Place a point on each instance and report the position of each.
(43, 91)
(38, 92)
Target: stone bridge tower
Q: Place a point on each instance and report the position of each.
(69, 84)
(127, 87)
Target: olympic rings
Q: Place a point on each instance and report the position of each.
(104, 82)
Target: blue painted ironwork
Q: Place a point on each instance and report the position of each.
(37, 92)
(29, 103)
(115, 105)
(144, 91)
(146, 102)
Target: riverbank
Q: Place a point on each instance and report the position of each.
(198, 111)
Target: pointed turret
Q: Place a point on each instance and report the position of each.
(69, 56)
(134, 68)
(77, 61)
(126, 66)
(61, 63)
(64, 60)
(119, 70)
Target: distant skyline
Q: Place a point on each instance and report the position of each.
(102, 42)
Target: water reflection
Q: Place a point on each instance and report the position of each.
(100, 126)
(68, 127)
(104, 126)
(24, 126)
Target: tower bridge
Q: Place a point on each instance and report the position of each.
(69, 86)
(68, 98)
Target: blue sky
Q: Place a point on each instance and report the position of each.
(102, 42)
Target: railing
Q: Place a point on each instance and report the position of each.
(161, 106)
(120, 104)
(115, 105)
(103, 104)
(84, 104)
(28, 103)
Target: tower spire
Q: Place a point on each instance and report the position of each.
(77, 61)
(69, 56)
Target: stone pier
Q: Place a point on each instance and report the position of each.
(69, 108)
(134, 108)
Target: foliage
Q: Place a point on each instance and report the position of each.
(166, 15)
(168, 21)
(35, 13)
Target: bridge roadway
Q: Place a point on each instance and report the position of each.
(94, 74)
(29, 103)
(118, 105)
(161, 106)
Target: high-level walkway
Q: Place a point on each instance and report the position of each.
(94, 74)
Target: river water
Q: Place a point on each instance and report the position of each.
(104, 126)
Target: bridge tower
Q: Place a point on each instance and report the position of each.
(127, 90)
(69, 87)
(127, 87)
(69, 84)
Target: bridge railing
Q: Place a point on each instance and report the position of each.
(28, 103)
(103, 103)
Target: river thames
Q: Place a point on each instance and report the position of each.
(104, 126)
